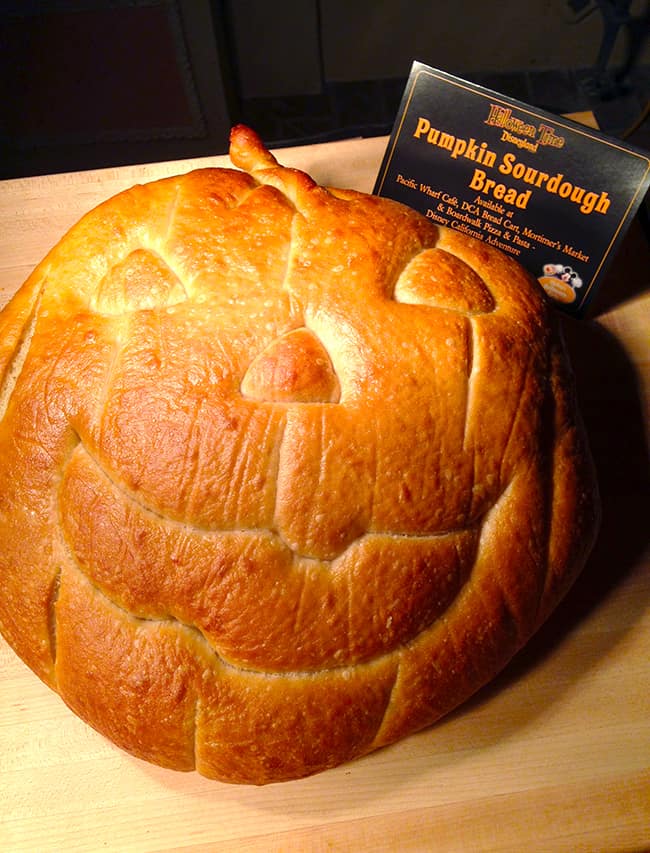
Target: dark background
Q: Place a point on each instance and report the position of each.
(97, 83)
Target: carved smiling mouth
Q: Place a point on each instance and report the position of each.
(259, 604)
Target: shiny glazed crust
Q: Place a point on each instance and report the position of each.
(288, 472)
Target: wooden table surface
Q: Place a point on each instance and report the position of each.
(552, 756)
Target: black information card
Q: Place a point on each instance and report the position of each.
(555, 195)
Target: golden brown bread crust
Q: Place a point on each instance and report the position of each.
(288, 473)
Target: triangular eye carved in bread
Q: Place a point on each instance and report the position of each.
(438, 278)
(142, 280)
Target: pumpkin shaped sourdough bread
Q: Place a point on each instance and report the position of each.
(287, 472)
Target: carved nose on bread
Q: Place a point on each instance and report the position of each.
(294, 368)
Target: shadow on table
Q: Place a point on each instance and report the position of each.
(611, 404)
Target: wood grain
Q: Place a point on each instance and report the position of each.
(553, 756)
